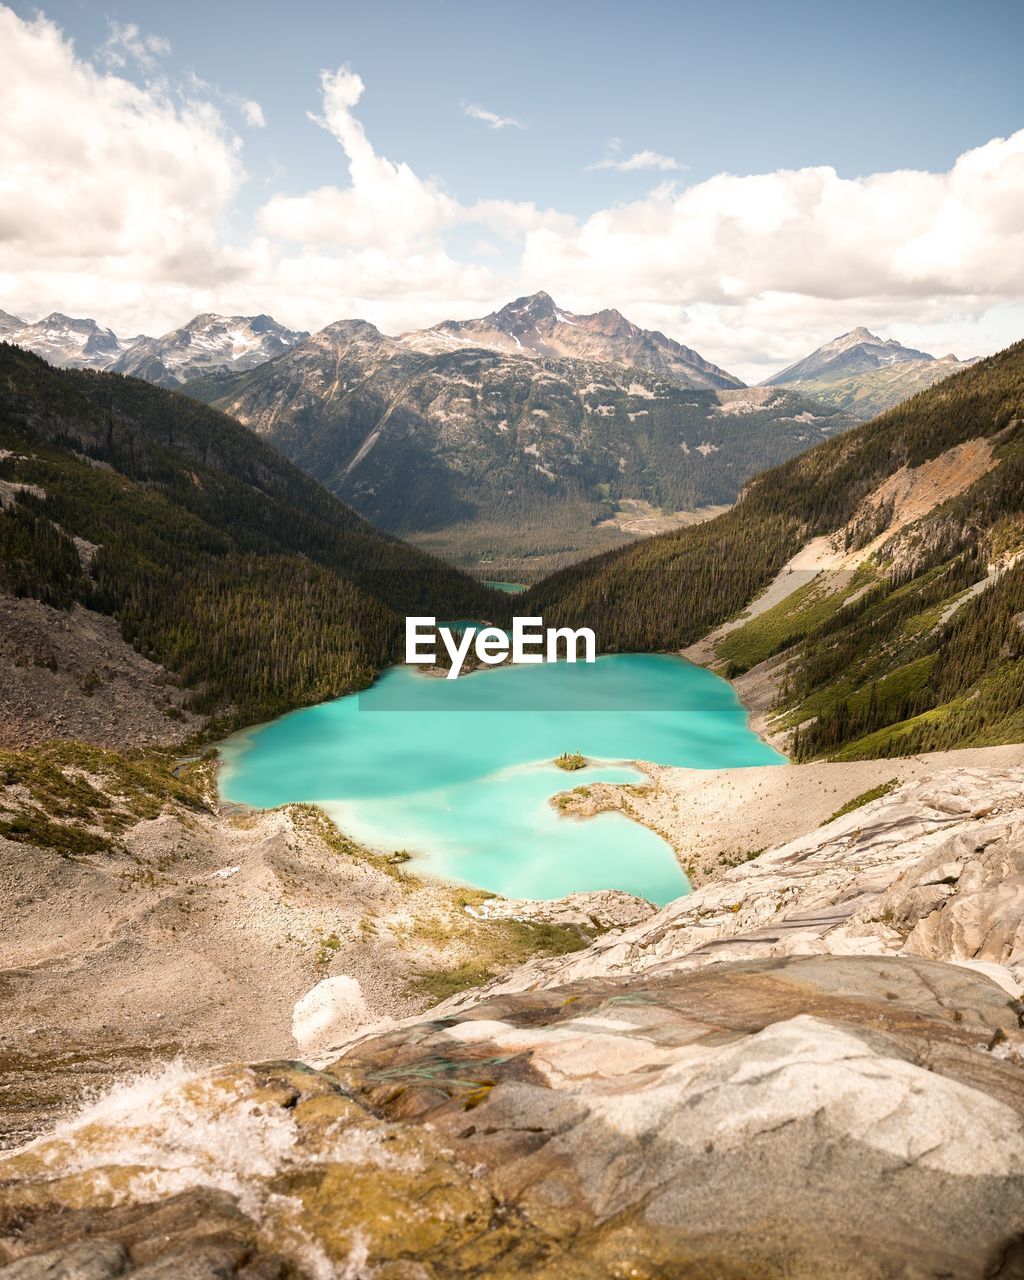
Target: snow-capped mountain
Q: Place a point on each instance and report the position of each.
(64, 340)
(536, 326)
(208, 344)
(863, 374)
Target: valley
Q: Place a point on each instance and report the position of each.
(389, 877)
(527, 439)
(511, 642)
(515, 440)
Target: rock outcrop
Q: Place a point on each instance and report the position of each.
(934, 869)
(812, 1068)
(68, 673)
(810, 1117)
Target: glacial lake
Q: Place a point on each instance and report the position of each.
(460, 773)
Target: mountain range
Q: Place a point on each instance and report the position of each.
(207, 344)
(536, 326)
(858, 372)
(515, 442)
(64, 341)
(506, 454)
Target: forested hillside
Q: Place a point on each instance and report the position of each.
(221, 560)
(914, 642)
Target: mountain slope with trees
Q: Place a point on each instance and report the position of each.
(221, 561)
(919, 646)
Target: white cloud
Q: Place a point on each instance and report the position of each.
(128, 41)
(385, 206)
(107, 187)
(490, 118)
(250, 111)
(116, 199)
(639, 160)
(733, 240)
(253, 113)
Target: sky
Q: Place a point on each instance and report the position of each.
(750, 179)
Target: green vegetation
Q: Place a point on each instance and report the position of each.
(440, 984)
(220, 559)
(78, 798)
(865, 797)
(907, 656)
(498, 945)
(570, 761)
(808, 607)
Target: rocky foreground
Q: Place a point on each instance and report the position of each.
(813, 1067)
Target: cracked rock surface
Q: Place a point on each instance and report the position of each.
(807, 1117)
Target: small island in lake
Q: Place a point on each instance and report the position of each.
(570, 761)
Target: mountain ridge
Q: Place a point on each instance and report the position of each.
(520, 456)
(220, 560)
(208, 344)
(535, 324)
(863, 374)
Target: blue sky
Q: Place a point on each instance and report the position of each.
(693, 90)
(742, 87)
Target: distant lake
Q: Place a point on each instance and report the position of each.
(460, 772)
(513, 588)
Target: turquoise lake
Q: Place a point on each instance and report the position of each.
(460, 772)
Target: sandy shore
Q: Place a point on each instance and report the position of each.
(716, 818)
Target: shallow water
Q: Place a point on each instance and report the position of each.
(460, 772)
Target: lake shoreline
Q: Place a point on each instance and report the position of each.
(475, 806)
(716, 819)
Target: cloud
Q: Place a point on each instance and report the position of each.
(99, 170)
(253, 113)
(732, 240)
(117, 200)
(250, 111)
(386, 206)
(637, 161)
(490, 119)
(128, 42)
(114, 195)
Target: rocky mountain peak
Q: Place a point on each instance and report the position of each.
(58, 320)
(342, 330)
(207, 344)
(65, 341)
(526, 311)
(612, 324)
